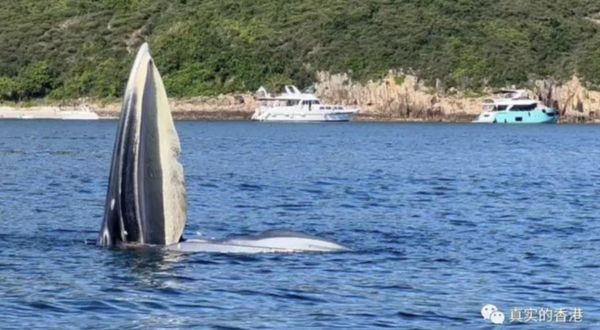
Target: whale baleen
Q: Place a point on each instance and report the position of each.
(146, 200)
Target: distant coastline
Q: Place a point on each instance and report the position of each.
(191, 110)
(214, 109)
(396, 98)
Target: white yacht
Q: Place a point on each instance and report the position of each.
(294, 105)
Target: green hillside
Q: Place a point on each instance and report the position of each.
(71, 48)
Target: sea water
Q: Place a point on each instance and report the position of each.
(442, 219)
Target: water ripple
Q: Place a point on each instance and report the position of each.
(492, 215)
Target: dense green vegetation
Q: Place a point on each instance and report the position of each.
(72, 48)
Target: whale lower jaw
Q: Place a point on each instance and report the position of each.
(265, 243)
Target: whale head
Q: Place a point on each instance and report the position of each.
(146, 198)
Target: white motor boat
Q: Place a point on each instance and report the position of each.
(294, 105)
(515, 107)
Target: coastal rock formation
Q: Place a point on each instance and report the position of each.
(575, 102)
(406, 97)
(396, 97)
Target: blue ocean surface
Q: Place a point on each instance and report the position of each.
(441, 219)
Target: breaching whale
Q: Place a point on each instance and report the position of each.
(146, 199)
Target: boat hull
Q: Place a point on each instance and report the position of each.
(304, 117)
(519, 117)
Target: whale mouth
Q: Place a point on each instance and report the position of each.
(146, 204)
(146, 199)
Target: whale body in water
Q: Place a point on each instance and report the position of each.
(146, 201)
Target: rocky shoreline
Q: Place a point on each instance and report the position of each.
(408, 98)
(111, 112)
(396, 98)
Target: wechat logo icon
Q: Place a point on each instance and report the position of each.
(492, 314)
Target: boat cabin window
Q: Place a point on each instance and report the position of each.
(310, 103)
(523, 107)
(290, 103)
(501, 107)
